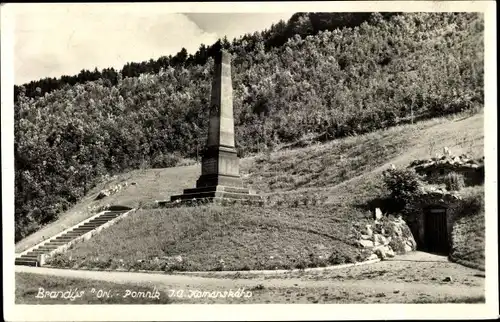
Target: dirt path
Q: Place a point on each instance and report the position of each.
(416, 277)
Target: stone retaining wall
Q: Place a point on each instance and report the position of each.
(434, 170)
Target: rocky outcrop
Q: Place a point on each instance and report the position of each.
(456, 161)
(386, 237)
(110, 191)
(434, 170)
(438, 194)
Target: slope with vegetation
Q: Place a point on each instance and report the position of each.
(315, 226)
(380, 71)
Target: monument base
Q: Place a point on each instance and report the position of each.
(215, 194)
(214, 180)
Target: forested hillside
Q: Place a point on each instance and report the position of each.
(374, 73)
(303, 24)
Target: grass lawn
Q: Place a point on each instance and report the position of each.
(29, 291)
(468, 233)
(224, 238)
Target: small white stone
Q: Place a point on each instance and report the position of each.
(369, 230)
(366, 243)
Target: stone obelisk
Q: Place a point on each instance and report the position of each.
(220, 172)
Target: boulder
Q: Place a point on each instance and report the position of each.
(384, 252)
(171, 260)
(379, 240)
(408, 248)
(387, 240)
(378, 214)
(380, 252)
(366, 243)
(372, 257)
(398, 231)
(411, 243)
(103, 194)
(369, 230)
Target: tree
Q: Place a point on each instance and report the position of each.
(181, 57)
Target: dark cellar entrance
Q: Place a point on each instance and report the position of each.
(436, 232)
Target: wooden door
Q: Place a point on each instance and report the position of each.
(436, 232)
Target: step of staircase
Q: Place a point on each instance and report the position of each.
(37, 252)
(48, 249)
(83, 230)
(108, 216)
(72, 234)
(58, 239)
(102, 221)
(92, 225)
(26, 262)
(55, 243)
(31, 258)
(85, 226)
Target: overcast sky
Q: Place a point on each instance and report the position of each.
(61, 39)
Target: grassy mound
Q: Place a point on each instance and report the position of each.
(468, 243)
(345, 171)
(223, 238)
(346, 174)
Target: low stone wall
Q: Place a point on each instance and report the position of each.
(435, 170)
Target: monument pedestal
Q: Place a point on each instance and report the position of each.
(220, 179)
(220, 170)
(217, 193)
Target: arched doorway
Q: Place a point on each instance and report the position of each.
(436, 230)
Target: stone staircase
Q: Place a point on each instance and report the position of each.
(84, 230)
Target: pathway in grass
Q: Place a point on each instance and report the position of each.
(414, 278)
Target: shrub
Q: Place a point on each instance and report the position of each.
(343, 257)
(384, 227)
(59, 260)
(301, 265)
(403, 184)
(454, 181)
(472, 204)
(363, 255)
(166, 160)
(397, 244)
(316, 261)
